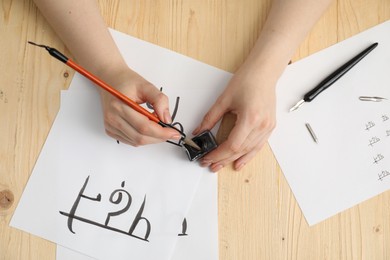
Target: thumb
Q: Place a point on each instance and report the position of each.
(159, 101)
(211, 118)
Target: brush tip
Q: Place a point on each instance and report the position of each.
(192, 143)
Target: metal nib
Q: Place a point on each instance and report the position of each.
(297, 105)
(373, 99)
(192, 143)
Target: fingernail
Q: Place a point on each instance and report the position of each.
(176, 137)
(240, 166)
(167, 117)
(206, 161)
(217, 168)
(205, 164)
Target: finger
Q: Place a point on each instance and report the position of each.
(158, 100)
(119, 136)
(234, 143)
(243, 160)
(212, 116)
(128, 133)
(145, 127)
(252, 142)
(132, 140)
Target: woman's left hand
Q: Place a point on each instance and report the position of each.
(251, 98)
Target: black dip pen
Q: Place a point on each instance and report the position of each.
(332, 78)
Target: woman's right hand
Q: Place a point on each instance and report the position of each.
(125, 124)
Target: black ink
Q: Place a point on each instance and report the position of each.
(370, 125)
(177, 125)
(378, 158)
(373, 141)
(174, 124)
(183, 228)
(76, 203)
(99, 225)
(176, 108)
(150, 106)
(137, 220)
(383, 174)
(117, 201)
(116, 197)
(205, 141)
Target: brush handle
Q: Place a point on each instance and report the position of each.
(112, 91)
(134, 105)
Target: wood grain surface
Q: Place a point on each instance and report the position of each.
(258, 215)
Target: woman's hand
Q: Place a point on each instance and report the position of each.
(125, 124)
(250, 94)
(251, 98)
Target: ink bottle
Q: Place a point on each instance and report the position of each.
(206, 141)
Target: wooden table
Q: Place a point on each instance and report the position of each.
(258, 215)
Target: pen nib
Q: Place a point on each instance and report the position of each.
(297, 105)
(373, 99)
(39, 45)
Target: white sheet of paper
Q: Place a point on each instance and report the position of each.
(340, 170)
(201, 241)
(159, 176)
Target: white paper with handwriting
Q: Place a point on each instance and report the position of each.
(109, 200)
(201, 239)
(351, 161)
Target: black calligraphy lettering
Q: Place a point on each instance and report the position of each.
(116, 197)
(136, 221)
(183, 228)
(72, 211)
(381, 156)
(176, 125)
(383, 174)
(370, 125)
(378, 158)
(117, 201)
(373, 141)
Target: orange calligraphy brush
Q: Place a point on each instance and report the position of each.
(134, 105)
